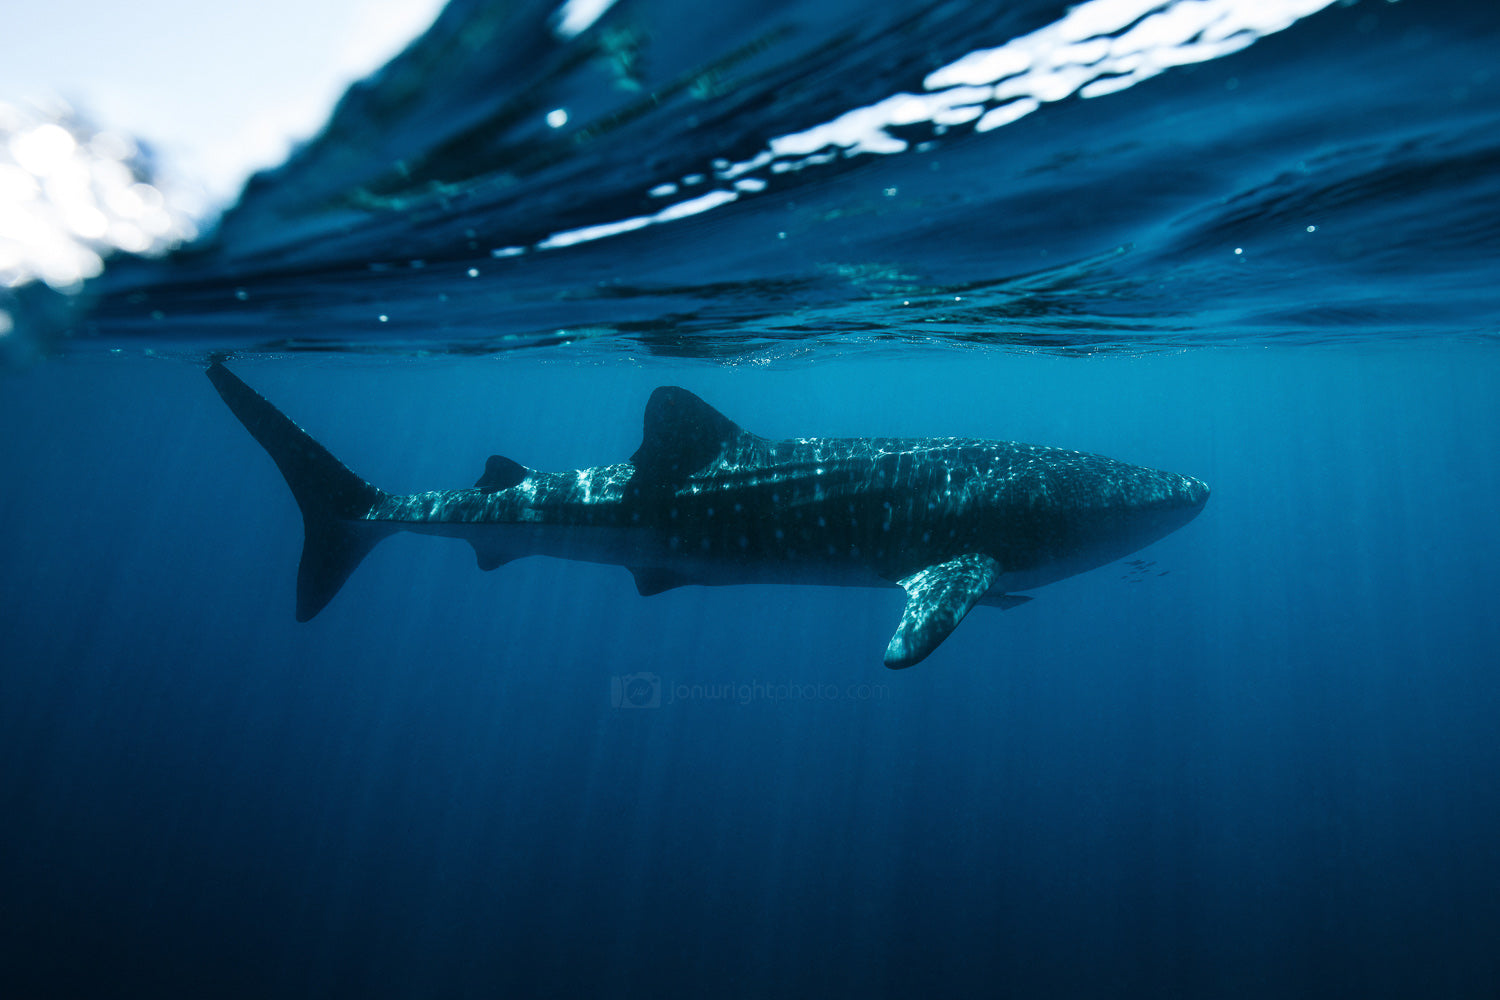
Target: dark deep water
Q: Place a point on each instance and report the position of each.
(1271, 772)
(1265, 766)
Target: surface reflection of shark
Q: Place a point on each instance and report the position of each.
(954, 521)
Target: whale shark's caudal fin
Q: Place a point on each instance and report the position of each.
(333, 500)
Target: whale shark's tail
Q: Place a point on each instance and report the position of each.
(334, 501)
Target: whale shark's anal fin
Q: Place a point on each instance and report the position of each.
(334, 500)
(938, 598)
(489, 557)
(652, 580)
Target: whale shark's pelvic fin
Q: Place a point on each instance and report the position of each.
(682, 434)
(334, 500)
(939, 597)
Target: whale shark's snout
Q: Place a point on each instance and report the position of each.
(1181, 499)
(1152, 491)
(1143, 505)
(1192, 493)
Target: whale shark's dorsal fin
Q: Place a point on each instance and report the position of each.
(938, 598)
(500, 473)
(682, 434)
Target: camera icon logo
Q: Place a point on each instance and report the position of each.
(642, 690)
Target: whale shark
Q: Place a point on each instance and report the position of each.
(954, 522)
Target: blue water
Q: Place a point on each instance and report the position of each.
(1264, 766)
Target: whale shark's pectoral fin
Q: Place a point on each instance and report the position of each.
(939, 597)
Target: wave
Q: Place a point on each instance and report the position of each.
(661, 178)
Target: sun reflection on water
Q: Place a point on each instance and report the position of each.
(71, 194)
(1097, 48)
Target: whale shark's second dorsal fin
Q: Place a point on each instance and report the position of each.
(682, 434)
(500, 473)
(938, 597)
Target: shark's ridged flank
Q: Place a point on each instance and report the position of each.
(333, 499)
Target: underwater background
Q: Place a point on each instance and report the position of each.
(1251, 243)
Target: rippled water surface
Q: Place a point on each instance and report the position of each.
(700, 182)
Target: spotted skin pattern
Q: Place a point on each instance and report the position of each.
(953, 521)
